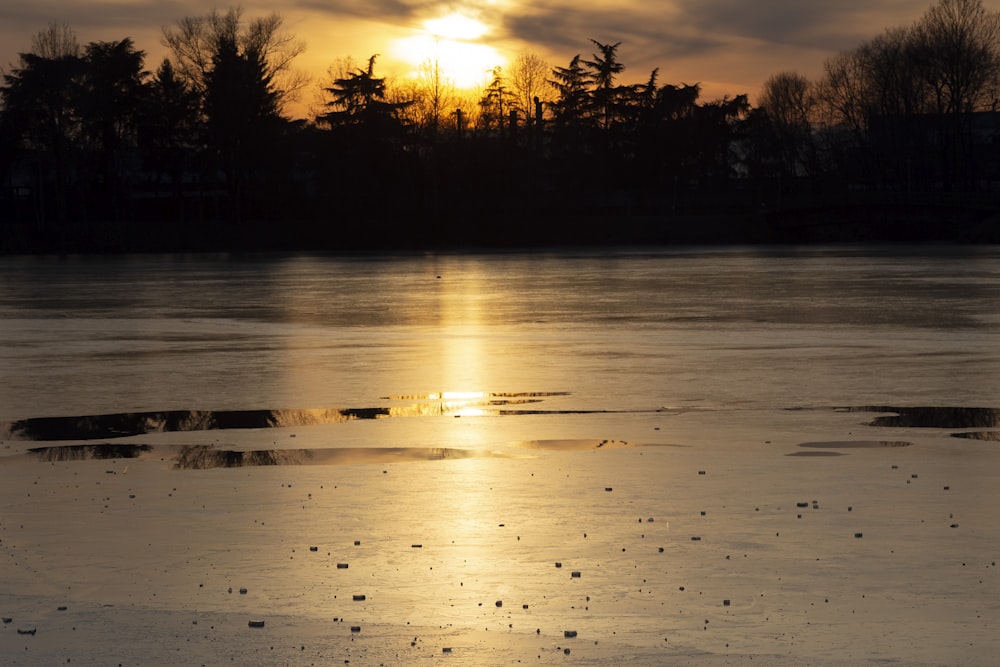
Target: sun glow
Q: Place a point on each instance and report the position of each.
(454, 42)
(456, 26)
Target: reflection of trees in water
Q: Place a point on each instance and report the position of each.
(280, 418)
(92, 427)
(988, 436)
(933, 417)
(189, 421)
(201, 457)
(88, 452)
(205, 457)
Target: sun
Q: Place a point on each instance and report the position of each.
(454, 42)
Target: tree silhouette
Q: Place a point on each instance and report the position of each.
(528, 81)
(364, 155)
(572, 85)
(604, 68)
(426, 100)
(242, 73)
(957, 45)
(569, 108)
(787, 100)
(88, 138)
(497, 104)
(41, 115)
(358, 100)
(56, 41)
(196, 42)
(170, 132)
(906, 98)
(109, 103)
(241, 115)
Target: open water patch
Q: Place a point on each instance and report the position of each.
(128, 424)
(204, 457)
(856, 444)
(89, 452)
(930, 417)
(121, 425)
(827, 448)
(986, 436)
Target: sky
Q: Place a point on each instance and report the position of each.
(730, 47)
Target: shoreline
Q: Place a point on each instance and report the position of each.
(895, 219)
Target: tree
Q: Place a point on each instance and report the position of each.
(56, 41)
(528, 81)
(426, 100)
(41, 115)
(873, 101)
(957, 45)
(242, 73)
(196, 43)
(716, 129)
(241, 110)
(359, 100)
(572, 85)
(842, 92)
(788, 100)
(604, 68)
(109, 102)
(497, 103)
(170, 131)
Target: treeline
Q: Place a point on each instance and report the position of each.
(912, 109)
(96, 153)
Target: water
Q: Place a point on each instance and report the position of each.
(747, 453)
(715, 329)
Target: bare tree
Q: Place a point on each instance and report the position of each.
(788, 99)
(434, 96)
(841, 94)
(56, 41)
(528, 79)
(196, 41)
(894, 82)
(958, 46)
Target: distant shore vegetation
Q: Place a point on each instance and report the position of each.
(898, 138)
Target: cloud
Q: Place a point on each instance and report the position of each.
(389, 11)
(730, 42)
(833, 25)
(571, 29)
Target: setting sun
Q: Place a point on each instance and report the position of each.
(454, 41)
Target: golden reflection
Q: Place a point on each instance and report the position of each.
(457, 395)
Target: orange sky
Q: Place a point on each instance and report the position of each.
(729, 47)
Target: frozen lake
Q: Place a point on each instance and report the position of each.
(718, 329)
(749, 455)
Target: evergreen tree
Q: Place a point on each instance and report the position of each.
(109, 102)
(604, 68)
(41, 119)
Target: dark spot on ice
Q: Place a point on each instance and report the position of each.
(931, 417)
